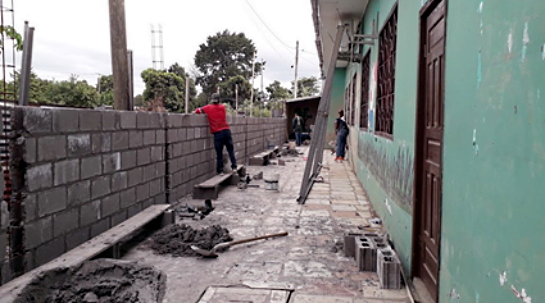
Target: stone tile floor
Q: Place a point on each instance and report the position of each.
(309, 262)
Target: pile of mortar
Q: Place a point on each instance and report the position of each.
(98, 281)
(176, 239)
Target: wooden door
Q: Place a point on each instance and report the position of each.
(430, 145)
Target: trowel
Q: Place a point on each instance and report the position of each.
(212, 253)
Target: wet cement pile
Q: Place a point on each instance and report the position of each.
(99, 281)
(176, 239)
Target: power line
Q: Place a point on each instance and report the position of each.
(270, 30)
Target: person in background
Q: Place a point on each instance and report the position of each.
(217, 117)
(341, 130)
(298, 128)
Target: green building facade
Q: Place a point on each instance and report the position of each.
(492, 214)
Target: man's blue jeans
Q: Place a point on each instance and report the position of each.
(341, 142)
(224, 138)
(298, 136)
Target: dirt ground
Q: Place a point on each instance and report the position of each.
(309, 263)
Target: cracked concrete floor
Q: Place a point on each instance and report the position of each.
(307, 261)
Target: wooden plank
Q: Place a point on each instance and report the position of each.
(85, 251)
(214, 181)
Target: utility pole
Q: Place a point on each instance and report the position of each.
(262, 95)
(296, 70)
(252, 92)
(236, 98)
(120, 64)
(187, 93)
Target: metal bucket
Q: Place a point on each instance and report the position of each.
(271, 182)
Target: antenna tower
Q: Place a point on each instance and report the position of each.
(157, 54)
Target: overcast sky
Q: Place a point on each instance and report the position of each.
(72, 36)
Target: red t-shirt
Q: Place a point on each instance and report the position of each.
(217, 116)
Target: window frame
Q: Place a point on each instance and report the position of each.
(365, 91)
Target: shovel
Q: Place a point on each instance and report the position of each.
(221, 246)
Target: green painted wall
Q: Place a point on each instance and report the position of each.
(385, 167)
(494, 152)
(337, 103)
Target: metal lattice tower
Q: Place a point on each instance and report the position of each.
(157, 54)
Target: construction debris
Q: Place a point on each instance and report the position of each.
(98, 281)
(176, 239)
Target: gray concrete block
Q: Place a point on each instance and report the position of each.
(157, 120)
(172, 135)
(128, 159)
(50, 251)
(120, 140)
(65, 221)
(38, 232)
(79, 145)
(182, 134)
(111, 163)
(91, 167)
(136, 139)
(66, 172)
(3, 245)
(156, 187)
(100, 227)
(148, 173)
(101, 143)
(77, 237)
(65, 121)
(190, 134)
(366, 254)
(388, 269)
(160, 199)
(135, 209)
(147, 203)
(127, 198)
(174, 120)
(149, 137)
(143, 120)
(30, 206)
(118, 218)
(142, 192)
(51, 201)
(160, 169)
(110, 205)
(90, 120)
(157, 153)
(119, 181)
(160, 137)
(79, 193)
(135, 176)
(90, 213)
(127, 120)
(37, 120)
(39, 177)
(51, 148)
(110, 120)
(100, 187)
(143, 156)
(30, 150)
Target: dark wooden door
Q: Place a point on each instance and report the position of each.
(430, 143)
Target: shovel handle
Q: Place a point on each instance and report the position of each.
(258, 238)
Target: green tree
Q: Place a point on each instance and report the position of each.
(277, 92)
(228, 89)
(169, 87)
(306, 87)
(105, 88)
(10, 33)
(138, 100)
(224, 56)
(73, 93)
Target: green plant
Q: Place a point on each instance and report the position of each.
(11, 33)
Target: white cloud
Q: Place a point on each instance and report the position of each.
(72, 36)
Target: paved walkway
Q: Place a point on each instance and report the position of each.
(309, 263)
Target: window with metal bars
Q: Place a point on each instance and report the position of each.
(347, 103)
(386, 77)
(353, 100)
(364, 107)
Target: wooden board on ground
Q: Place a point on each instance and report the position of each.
(85, 251)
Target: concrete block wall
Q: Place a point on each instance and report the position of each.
(86, 171)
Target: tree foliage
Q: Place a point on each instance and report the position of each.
(277, 92)
(224, 56)
(9, 32)
(228, 89)
(306, 87)
(169, 87)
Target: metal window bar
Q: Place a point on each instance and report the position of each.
(386, 77)
(365, 74)
(353, 102)
(316, 152)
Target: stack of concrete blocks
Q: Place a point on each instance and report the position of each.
(366, 254)
(388, 269)
(350, 244)
(87, 170)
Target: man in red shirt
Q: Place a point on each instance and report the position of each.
(217, 117)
